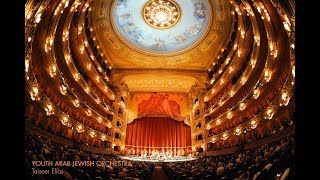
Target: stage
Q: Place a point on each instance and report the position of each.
(148, 159)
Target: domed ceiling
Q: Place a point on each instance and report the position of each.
(161, 26)
(161, 34)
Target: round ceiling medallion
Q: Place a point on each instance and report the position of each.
(161, 14)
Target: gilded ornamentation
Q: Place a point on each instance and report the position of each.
(103, 24)
(163, 82)
(161, 14)
(123, 54)
(219, 26)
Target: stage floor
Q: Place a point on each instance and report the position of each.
(138, 158)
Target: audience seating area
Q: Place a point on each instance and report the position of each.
(38, 148)
(270, 161)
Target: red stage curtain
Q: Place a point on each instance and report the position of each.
(159, 104)
(158, 133)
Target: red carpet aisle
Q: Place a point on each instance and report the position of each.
(159, 174)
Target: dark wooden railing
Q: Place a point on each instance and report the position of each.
(254, 144)
(223, 151)
(275, 137)
(60, 140)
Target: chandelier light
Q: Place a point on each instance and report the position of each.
(238, 131)
(89, 113)
(229, 115)
(76, 103)
(80, 129)
(35, 93)
(64, 120)
(63, 89)
(92, 134)
(253, 124)
(224, 136)
(49, 109)
(256, 93)
(242, 106)
(26, 62)
(161, 14)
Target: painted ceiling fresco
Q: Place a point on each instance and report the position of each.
(131, 25)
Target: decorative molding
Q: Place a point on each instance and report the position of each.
(198, 91)
(159, 83)
(159, 80)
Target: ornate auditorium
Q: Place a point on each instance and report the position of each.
(160, 89)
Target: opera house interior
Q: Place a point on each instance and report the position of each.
(159, 89)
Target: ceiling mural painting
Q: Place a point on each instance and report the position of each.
(166, 34)
(163, 26)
